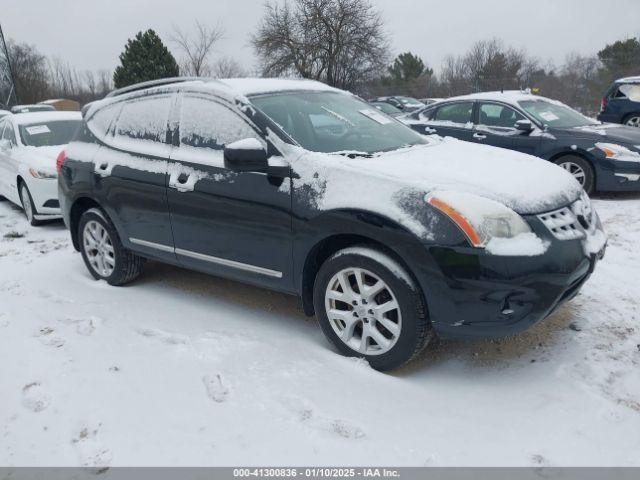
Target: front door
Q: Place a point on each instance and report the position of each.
(233, 224)
(8, 165)
(495, 126)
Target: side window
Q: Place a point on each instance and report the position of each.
(100, 121)
(496, 115)
(145, 118)
(630, 91)
(459, 113)
(205, 123)
(427, 114)
(8, 132)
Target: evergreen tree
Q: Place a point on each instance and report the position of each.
(408, 66)
(144, 58)
(621, 57)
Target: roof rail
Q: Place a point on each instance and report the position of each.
(152, 83)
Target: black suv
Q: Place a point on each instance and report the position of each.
(602, 157)
(621, 102)
(386, 235)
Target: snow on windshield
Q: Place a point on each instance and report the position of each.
(555, 114)
(43, 134)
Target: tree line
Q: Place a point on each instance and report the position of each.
(343, 43)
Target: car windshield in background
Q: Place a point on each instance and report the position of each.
(43, 134)
(334, 122)
(554, 115)
(387, 108)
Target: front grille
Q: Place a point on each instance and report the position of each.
(572, 222)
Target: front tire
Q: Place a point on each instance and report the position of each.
(368, 306)
(102, 251)
(580, 169)
(28, 206)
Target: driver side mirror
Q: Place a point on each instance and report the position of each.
(247, 155)
(524, 126)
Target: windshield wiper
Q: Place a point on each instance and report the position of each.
(354, 154)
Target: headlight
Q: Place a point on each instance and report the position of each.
(618, 152)
(41, 174)
(479, 218)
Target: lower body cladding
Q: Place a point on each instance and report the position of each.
(479, 295)
(618, 176)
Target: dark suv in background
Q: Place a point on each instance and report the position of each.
(386, 235)
(621, 103)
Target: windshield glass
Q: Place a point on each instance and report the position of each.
(334, 122)
(409, 101)
(43, 134)
(554, 115)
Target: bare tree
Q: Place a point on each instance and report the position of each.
(197, 48)
(227, 67)
(340, 42)
(29, 71)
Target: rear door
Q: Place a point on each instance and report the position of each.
(233, 224)
(453, 119)
(495, 126)
(8, 164)
(130, 172)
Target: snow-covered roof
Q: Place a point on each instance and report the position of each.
(35, 117)
(254, 86)
(511, 97)
(628, 80)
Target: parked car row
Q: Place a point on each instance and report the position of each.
(389, 230)
(387, 235)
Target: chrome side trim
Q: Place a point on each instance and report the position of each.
(157, 246)
(208, 258)
(229, 263)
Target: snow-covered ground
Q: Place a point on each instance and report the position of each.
(184, 369)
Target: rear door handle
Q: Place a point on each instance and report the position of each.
(430, 130)
(479, 136)
(180, 181)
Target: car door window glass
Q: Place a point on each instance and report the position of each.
(9, 134)
(455, 113)
(100, 121)
(630, 91)
(208, 124)
(145, 118)
(496, 115)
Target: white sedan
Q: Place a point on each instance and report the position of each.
(29, 146)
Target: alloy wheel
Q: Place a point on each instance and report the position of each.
(363, 311)
(576, 170)
(98, 248)
(633, 121)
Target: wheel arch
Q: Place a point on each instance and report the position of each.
(324, 248)
(583, 154)
(627, 116)
(79, 206)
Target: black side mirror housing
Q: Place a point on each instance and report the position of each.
(524, 126)
(247, 155)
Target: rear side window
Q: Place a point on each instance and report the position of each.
(205, 123)
(459, 113)
(8, 133)
(145, 119)
(100, 121)
(630, 91)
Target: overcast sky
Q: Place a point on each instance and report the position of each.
(91, 34)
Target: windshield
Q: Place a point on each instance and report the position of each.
(409, 101)
(334, 122)
(555, 115)
(43, 134)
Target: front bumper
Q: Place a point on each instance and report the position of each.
(44, 193)
(617, 176)
(473, 294)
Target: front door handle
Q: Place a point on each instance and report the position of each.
(479, 136)
(430, 130)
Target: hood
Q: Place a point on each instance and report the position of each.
(607, 132)
(522, 182)
(40, 158)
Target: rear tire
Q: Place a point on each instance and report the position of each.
(632, 120)
(102, 251)
(361, 319)
(27, 205)
(581, 170)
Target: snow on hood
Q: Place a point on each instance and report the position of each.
(41, 158)
(383, 183)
